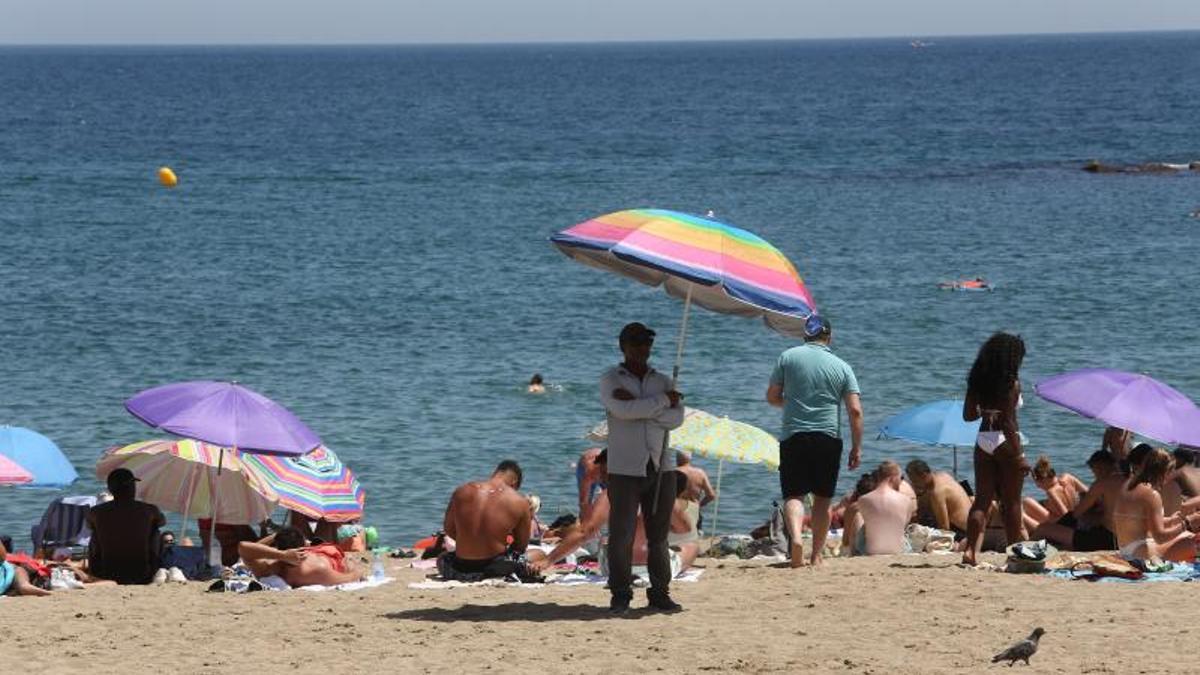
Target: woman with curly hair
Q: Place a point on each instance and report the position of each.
(993, 396)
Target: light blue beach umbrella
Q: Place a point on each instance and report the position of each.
(938, 423)
(37, 455)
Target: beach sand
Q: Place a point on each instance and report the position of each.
(902, 614)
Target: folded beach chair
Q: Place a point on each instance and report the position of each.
(64, 524)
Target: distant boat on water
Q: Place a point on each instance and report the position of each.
(918, 44)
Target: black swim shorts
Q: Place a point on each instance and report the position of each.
(809, 462)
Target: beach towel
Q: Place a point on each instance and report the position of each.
(690, 575)
(274, 583)
(1169, 572)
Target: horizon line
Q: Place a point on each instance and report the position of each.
(601, 42)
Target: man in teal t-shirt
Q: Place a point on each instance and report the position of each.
(810, 382)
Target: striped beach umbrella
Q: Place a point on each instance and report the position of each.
(316, 485)
(182, 476)
(717, 266)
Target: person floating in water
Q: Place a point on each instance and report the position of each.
(536, 385)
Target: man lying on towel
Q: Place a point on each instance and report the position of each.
(286, 554)
(482, 518)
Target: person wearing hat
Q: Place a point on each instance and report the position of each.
(811, 384)
(125, 541)
(642, 407)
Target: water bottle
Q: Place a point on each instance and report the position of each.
(378, 572)
(214, 555)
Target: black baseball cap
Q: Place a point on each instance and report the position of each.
(119, 478)
(636, 332)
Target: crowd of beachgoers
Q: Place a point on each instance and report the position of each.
(639, 509)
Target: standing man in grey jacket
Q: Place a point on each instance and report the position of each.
(642, 407)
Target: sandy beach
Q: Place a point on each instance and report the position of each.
(902, 614)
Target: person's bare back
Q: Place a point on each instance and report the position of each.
(949, 498)
(481, 517)
(885, 512)
(319, 566)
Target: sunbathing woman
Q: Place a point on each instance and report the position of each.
(993, 395)
(1062, 494)
(14, 579)
(1142, 531)
(285, 554)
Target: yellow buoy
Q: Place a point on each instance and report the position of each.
(167, 177)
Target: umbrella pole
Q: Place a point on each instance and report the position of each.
(717, 501)
(212, 525)
(662, 454)
(187, 508)
(956, 462)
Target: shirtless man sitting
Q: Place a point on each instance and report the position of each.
(481, 517)
(1089, 526)
(125, 541)
(287, 555)
(1183, 483)
(883, 515)
(697, 487)
(941, 500)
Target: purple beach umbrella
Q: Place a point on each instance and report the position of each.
(225, 414)
(1130, 401)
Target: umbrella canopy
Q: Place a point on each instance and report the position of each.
(224, 414)
(717, 438)
(720, 267)
(37, 456)
(11, 474)
(316, 485)
(181, 476)
(935, 423)
(1127, 400)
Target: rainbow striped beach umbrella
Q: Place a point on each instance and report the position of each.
(717, 266)
(316, 485)
(186, 476)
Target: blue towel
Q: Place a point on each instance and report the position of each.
(8, 574)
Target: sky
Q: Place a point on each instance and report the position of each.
(485, 21)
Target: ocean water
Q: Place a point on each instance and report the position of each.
(360, 233)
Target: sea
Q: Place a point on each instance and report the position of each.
(361, 234)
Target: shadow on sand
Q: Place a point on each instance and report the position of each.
(514, 611)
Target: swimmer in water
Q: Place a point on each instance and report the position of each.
(536, 386)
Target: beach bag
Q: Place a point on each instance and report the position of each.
(1113, 566)
(924, 539)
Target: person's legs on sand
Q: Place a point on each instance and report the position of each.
(622, 523)
(1010, 481)
(820, 528)
(657, 521)
(985, 486)
(793, 515)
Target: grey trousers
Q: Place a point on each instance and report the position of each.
(625, 495)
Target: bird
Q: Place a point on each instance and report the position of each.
(1022, 650)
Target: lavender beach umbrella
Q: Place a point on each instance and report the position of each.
(1128, 401)
(225, 414)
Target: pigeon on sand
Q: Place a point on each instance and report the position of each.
(1022, 650)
